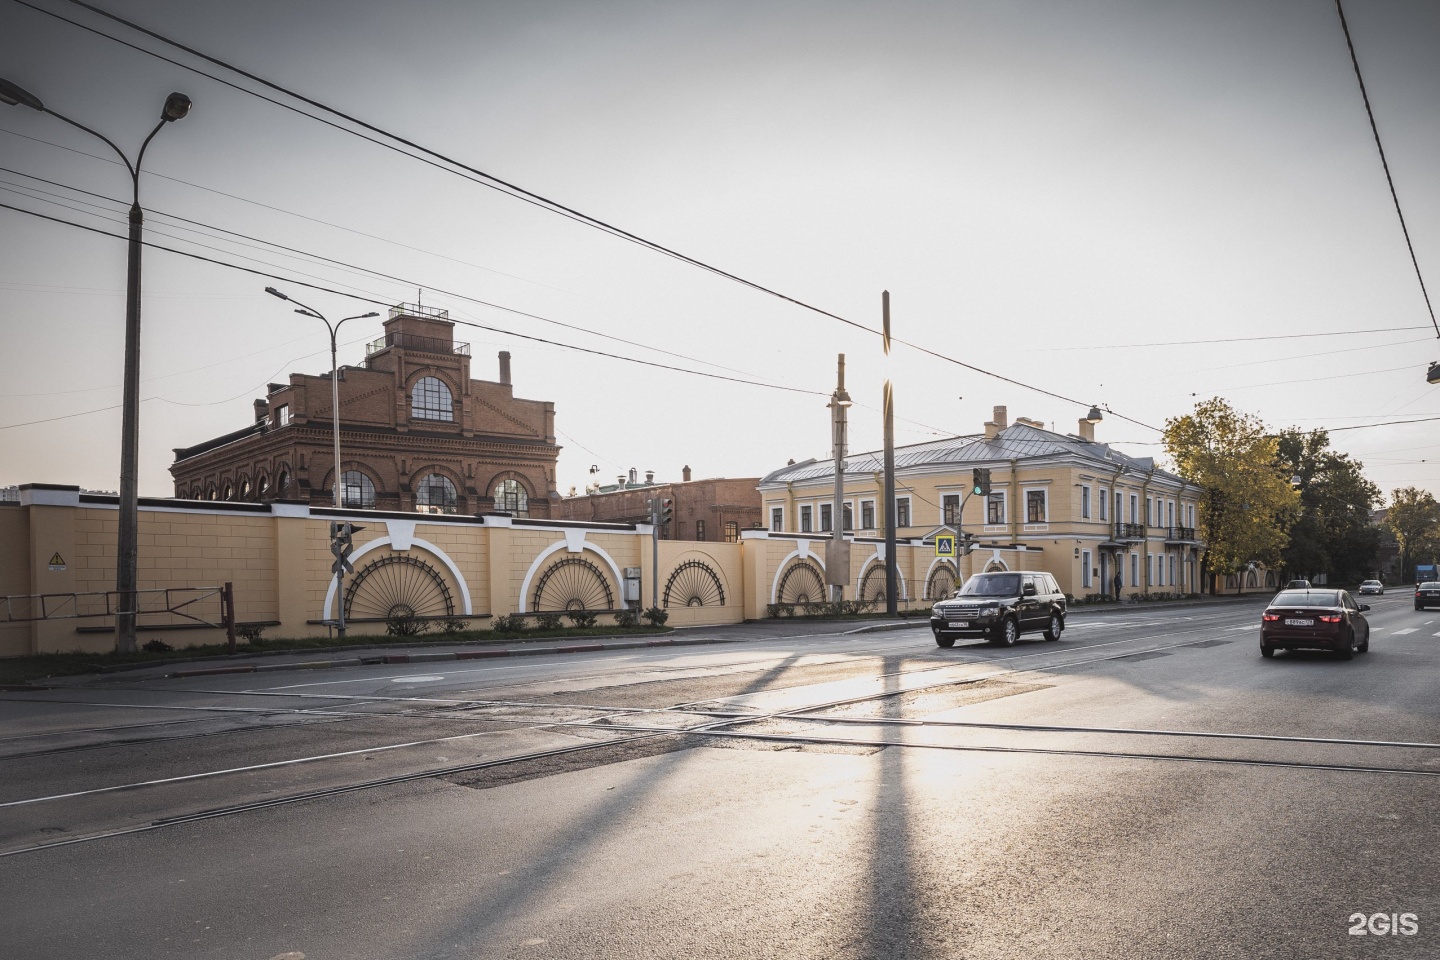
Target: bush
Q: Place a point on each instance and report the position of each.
(405, 625)
(453, 625)
(582, 618)
(627, 618)
(157, 646)
(248, 632)
(780, 610)
(656, 616)
(514, 623)
(547, 621)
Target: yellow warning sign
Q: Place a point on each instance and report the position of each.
(945, 545)
(57, 562)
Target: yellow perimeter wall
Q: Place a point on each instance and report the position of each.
(278, 557)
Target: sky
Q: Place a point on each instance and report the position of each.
(1066, 193)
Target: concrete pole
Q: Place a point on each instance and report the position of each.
(891, 581)
(839, 406)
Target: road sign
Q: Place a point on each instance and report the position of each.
(945, 545)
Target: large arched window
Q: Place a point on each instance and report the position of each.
(436, 490)
(356, 490)
(431, 400)
(511, 497)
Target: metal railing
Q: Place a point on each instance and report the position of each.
(416, 310)
(189, 604)
(1129, 531)
(412, 341)
(1181, 533)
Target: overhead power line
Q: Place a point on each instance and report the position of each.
(461, 168)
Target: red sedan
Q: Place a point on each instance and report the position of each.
(1315, 620)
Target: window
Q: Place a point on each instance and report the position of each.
(1034, 506)
(1085, 568)
(950, 509)
(210, 494)
(1134, 508)
(1104, 502)
(1149, 568)
(229, 491)
(244, 489)
(282, 414)
(848, 518)
(699, 529)
(436, 490)
(732, 531)
(1172, 569)
(867, 514)
(282, 483)
(1190, 514)
(1170, 514)
(827, 522)
(263, 487)
(1134, 566)
(511, 497)
(1084, 503)
(806, 518)
(356, 490)
(430, 400)
(777, 519)
(995, 508)
(1149, 512)
(1119, 514)
(902, 512)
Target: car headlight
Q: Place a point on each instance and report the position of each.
(989, 611)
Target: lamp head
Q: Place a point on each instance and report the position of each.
(1433, 374)
(176, 106)
(276, 293)
(18, 96)
(363, 316)
(1094, 415)
(842, 397)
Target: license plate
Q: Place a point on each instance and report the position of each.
(1299, 623)
(959, 624)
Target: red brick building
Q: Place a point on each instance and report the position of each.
(416, 433)
(703, 509)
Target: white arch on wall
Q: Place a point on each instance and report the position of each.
(425, 545)
(802, 551)
(946, 561)
(996, 565)
(874, 559)
(575, 542)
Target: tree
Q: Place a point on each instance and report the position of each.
(1333, 533)
(1414, 518)
(1248, 504)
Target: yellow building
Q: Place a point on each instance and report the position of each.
(1065, 504)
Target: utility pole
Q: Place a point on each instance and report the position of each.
(837, 553)
(891, 586)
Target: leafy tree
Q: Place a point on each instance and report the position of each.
(1414, 518)
(1248, 504)
(1333, 533)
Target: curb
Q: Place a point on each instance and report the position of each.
(437, 657)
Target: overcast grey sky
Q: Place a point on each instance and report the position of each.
(1048, 190)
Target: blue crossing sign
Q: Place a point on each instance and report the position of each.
(945, 545)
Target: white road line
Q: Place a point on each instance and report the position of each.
(1401, 633)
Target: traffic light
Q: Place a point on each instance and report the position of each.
(980, 481)
(342, 544)
(667, 510)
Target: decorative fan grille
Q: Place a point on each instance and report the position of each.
(941, 583)
(872, 585)
(694, 584)
(801, 583)
(573, 584)
(397, 586)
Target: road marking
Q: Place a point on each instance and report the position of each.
(1401, 633)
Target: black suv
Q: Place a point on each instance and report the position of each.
(1000, 607)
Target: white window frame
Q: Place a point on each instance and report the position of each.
(1104, 504)
(1169, 513)
(282, 414)
(959, 503)
(847, 506)
(1134, 507)
(1172, 569)
(777, 519)
(1150, 511)
(1004, 508)
(807, 518)
(874, 524)
(1085, 503)
(1044, 505)
(1085, 574)
(823, 525)
(1135, 569)
(909, 514)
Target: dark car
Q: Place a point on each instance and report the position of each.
(999, 607)
(1297, 585)
(1371, 586)
(1427, 594)
(1315, 620)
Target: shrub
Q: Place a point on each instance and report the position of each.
(582, 618)
(248, 632)
(514, 623)
(656, 616)
(627, 618)
(157, 646)
(405, 625)
(453, 625)
(547, 621)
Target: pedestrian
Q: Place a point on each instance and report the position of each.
(1118, 584)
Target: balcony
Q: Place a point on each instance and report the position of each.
(1181, 535)
(411, 341)
(1129, 531)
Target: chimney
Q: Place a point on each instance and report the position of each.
(685, 473)
(1087, 430)
(620, 480)
(262, 411)
(649, 476)
(634, 475)
(504, 366)
(999, 421)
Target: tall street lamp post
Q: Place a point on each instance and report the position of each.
(837, 554)
(335, 422)
(177, 105)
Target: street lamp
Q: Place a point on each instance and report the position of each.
(177, 105)
(837, 558)
(335, 421)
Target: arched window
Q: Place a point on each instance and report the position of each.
(281, 482)
(356, 490)
(510, 496)
(229, 490)
(431, 400)
(210, 494)
(436, 490)
(263, 487)
(245, 489)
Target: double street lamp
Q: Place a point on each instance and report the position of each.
(334, 329)
(177, 105)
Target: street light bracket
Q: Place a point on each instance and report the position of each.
(15, 95)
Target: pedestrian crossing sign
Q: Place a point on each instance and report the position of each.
(945, 545)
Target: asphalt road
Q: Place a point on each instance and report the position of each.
(1148, 786)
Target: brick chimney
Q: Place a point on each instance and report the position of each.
(504, 366)
(1087, 430)
(262, 411)
(999, 420)
(685, 474)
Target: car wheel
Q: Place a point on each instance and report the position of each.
(1009, 633)
(1267, 651)
(943, 641)
(1348, 652)
(1365, 647)
(1056, 625)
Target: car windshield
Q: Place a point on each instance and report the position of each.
(1306, 598)
(991, 585)
(1371, 583)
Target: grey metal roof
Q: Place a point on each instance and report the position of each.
(1016, 442)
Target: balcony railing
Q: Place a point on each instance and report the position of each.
(411, 341)
(1181, 533)
(1129, 531)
